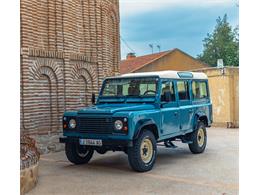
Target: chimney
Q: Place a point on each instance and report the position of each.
(130, 56)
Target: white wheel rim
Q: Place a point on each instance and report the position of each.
(146, 150)
(200, 137)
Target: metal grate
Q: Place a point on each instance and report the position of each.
(96, 125)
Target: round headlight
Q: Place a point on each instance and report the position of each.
(72, 123)
(118, 124)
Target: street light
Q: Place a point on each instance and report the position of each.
(159, 47)
(151, 46)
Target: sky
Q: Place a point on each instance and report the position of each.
(171, 24)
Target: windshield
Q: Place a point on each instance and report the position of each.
(140, 87)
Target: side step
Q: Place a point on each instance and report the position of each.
(168, 144)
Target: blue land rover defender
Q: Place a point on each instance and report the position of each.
(135, 111)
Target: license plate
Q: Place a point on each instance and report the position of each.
(90, 142)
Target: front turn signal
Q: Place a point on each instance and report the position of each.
(125, 128)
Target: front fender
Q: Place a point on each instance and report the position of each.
(142, 123)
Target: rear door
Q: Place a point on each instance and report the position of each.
(169, 110)
(184, 100)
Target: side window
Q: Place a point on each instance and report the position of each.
(199, 89)
(183, 90)
(167, 86)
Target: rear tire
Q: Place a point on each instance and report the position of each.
(199, 139)
(78, 154)
(142, 155)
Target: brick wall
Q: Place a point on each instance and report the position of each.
(67, 48)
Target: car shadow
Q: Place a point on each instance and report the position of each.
(119, 161)
(104, 164)
(171, 155)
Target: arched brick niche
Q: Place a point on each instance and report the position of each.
(82, 82)
(43, 96)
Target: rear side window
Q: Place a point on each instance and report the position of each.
(167, 86)
(199, 89)
(183, 90)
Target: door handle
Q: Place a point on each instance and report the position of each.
(175, 113)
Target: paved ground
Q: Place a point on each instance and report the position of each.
(176, 171)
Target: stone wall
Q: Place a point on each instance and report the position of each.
(67, 48)
(29, 163)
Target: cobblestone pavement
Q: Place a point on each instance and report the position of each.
(177, 171)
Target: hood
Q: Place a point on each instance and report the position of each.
(112, 108)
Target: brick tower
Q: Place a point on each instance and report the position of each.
(67, 48)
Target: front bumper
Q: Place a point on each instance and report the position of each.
(105, 142)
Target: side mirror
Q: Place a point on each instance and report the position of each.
(168, 96)
(93, 98)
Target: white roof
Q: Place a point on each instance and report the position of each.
(167, 74)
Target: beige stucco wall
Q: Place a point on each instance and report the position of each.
(175, 60)
(224, 91)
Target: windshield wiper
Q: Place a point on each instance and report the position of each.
(134, 96)
(141, 96)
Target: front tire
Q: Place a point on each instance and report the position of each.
(78, 154)
(142, 155)
(199, 139)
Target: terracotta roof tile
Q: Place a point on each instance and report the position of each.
(129, 65)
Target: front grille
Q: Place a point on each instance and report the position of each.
(96, 125)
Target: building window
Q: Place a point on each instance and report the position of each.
(199, 89)
(183, 90)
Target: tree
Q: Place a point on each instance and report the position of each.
(223, 43)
